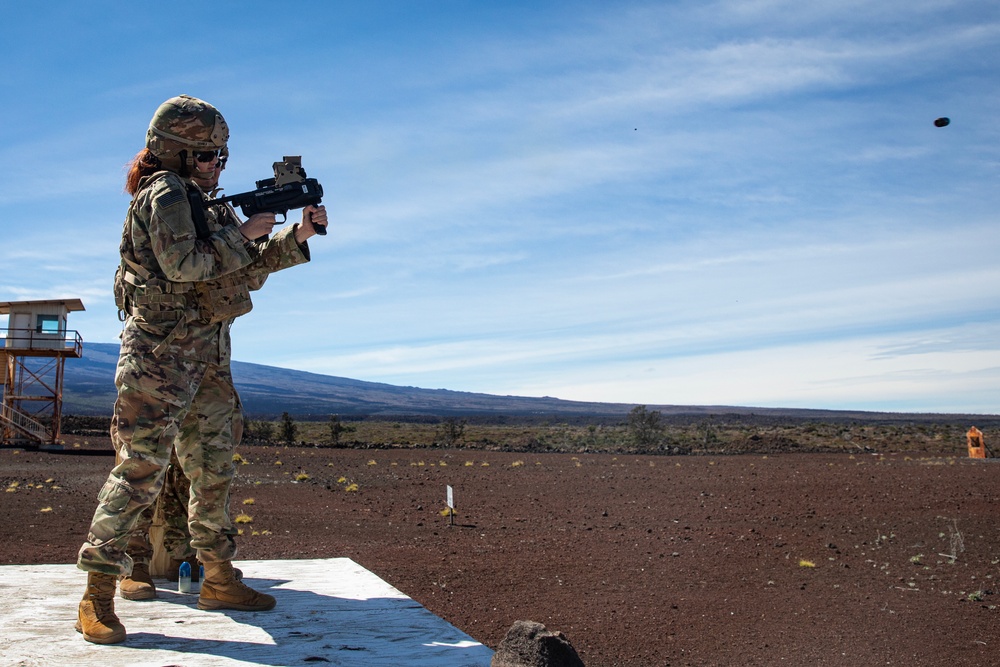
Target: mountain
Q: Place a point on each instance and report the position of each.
(268, 391)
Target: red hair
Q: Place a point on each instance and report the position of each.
(143, 164)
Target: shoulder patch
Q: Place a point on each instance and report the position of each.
(171, 197)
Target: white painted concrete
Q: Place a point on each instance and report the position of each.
(329, 612)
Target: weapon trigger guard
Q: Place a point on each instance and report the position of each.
(284, 217)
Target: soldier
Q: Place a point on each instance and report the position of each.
(185, 275)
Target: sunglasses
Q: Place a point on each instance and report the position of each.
(206, 156)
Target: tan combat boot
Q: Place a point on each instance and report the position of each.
(138, 585)
(222, 590)
(96, 617)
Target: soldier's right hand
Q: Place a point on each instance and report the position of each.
(259, 224)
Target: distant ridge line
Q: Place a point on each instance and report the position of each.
(268, 391)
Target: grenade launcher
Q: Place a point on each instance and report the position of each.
(288, 189)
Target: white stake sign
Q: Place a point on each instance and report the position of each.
(451, 506)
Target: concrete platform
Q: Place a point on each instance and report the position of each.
(329, 612)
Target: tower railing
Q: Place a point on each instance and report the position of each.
(18, 341)
(24, 425)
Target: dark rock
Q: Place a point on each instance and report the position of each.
(531, 644)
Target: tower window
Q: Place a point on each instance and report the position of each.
(47, 324)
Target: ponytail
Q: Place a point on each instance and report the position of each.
(143, 164)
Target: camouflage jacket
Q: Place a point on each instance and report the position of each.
(183, 293)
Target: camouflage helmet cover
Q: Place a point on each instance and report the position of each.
(185, 123)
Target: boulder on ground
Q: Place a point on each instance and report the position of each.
(531, 644)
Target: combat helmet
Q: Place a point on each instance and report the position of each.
(183, 125)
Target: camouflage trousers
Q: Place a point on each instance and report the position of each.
(172, 507)
(163, 404)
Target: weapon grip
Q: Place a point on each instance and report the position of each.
(320, 229)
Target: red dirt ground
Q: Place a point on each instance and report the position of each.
(795, 559)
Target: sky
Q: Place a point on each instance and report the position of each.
(705, 202)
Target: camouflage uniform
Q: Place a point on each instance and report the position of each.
(171, 505)
(174, 384)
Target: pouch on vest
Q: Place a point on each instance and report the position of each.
(222, 299)
(121, 289)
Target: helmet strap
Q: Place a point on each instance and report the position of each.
(185, 168)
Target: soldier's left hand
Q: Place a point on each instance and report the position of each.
(312, 217)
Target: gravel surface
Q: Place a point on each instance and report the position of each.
(797, 559)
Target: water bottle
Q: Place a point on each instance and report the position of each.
(184, 577)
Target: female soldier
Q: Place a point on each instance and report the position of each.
(186, 273)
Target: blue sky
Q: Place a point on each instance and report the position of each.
(723, 203)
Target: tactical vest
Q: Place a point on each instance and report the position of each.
(159, 302)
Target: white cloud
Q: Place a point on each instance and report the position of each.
(682, 202)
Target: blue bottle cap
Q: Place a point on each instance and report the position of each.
(185, 569)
